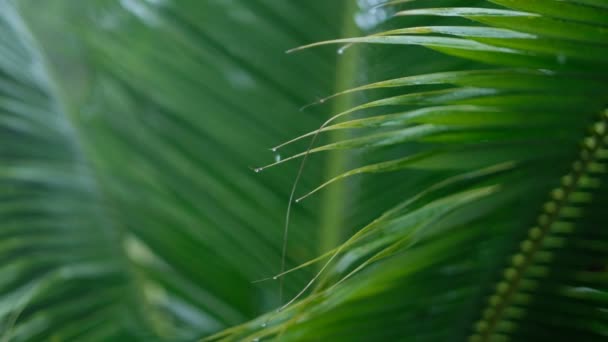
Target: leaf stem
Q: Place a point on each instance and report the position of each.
(559, 199)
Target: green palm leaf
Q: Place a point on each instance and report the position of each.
(130, 211)
(510, 127)
(125, 180)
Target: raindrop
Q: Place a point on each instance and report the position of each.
(277, 158)
(264, 325)
(274, 149)
(257, 170)
(342, 49)
(275, 278)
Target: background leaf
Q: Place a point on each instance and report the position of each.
(131, 128)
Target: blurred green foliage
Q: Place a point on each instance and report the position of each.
(130, 211)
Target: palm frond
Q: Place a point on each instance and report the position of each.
(497, 134)
(128, 205)
(130, 211)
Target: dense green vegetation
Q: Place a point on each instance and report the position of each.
(453, 190)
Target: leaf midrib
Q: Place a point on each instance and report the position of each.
(334, 204)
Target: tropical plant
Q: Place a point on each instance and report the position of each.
(129, 210)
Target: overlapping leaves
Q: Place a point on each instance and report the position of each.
(497, 135)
